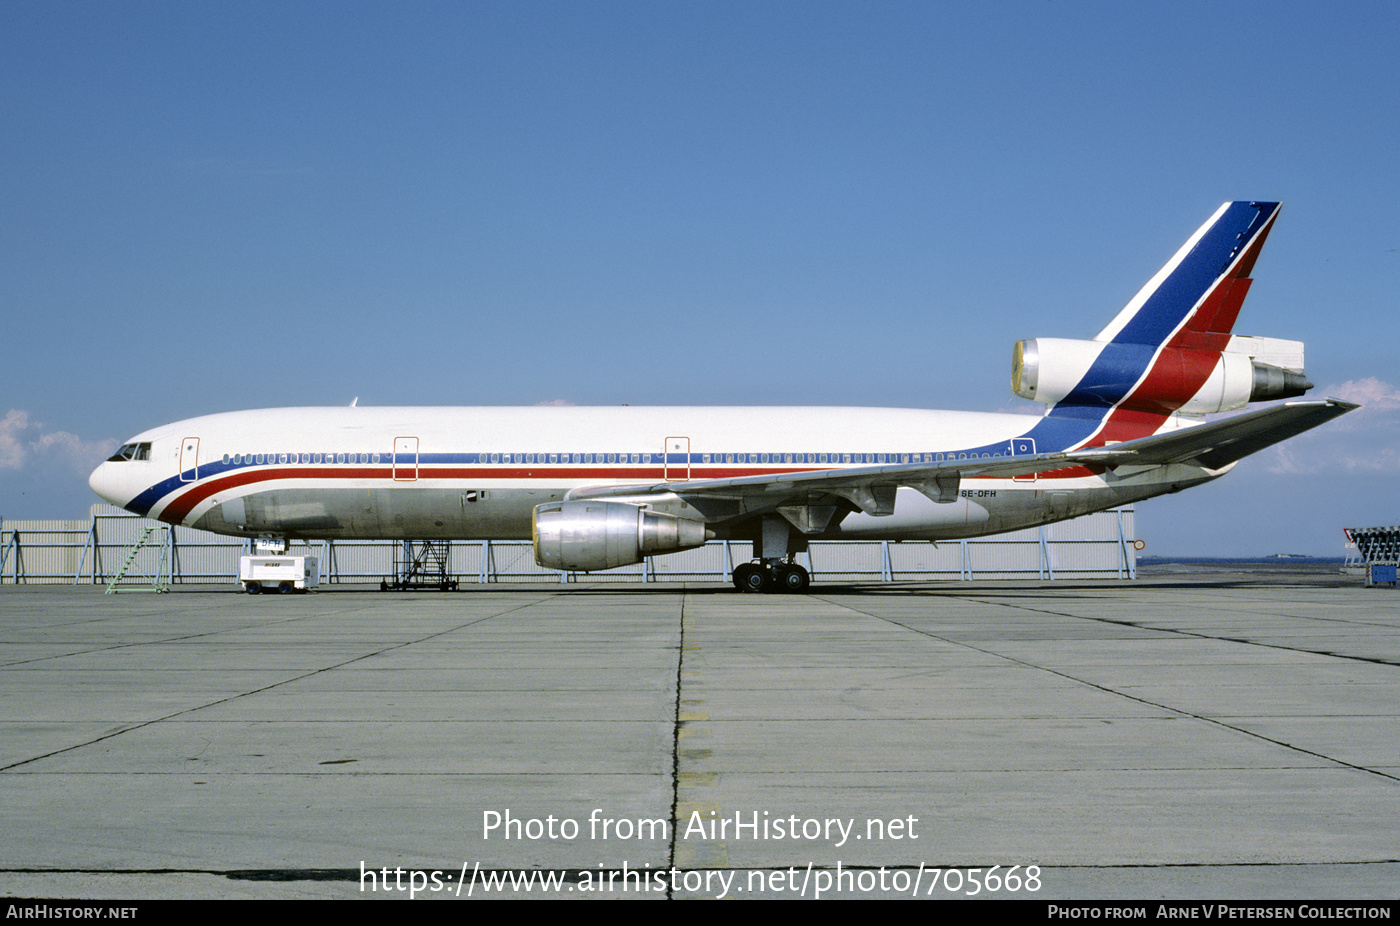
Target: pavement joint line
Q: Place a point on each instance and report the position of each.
(1205, 636)
(118, 646)
(1122, 694)
(278, 684)
(676, 735)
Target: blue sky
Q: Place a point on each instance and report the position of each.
(211, 206)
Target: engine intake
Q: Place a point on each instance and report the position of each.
(587, 535)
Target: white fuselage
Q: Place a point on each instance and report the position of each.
(474, 473)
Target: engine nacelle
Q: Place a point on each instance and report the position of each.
(588, 535)
(1184, 379)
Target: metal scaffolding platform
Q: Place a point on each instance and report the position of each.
(1379, 549)
(421, 564)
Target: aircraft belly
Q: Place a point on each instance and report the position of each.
(423, 512)
(917, 517)
(996, 506)
(433, 514)
(400, 512)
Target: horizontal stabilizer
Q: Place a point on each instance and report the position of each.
(1220, 443)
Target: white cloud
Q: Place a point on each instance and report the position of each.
(1377, 397)
(25, 444)
(1363, 441)
(12, 446)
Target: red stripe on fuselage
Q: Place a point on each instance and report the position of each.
(185, 501)
(179, 507)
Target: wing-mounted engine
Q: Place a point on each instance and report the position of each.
(588, 535)
(1143, 377)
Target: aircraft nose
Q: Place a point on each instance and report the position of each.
(103, 484)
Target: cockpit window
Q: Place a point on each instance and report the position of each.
(141, 451)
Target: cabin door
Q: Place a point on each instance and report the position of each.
(405, 459)
(189, 459)
(677, 460)
(1023, 447)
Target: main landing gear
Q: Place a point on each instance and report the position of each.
(771, 577)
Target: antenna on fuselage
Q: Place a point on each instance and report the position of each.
(353, 401)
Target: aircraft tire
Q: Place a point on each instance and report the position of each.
(793, 578)
(751, 577)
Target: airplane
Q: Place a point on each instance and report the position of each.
(596, 488)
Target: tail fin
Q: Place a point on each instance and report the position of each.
(1170, 349)
(1193, 301)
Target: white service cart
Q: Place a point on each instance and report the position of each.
(285, 574)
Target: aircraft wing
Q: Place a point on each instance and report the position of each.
(871, 488)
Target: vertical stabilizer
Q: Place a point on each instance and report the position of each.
(1169, 350)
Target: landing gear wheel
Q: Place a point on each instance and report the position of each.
(751, 577)
(793, 578)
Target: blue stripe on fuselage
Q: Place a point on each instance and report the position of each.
(1048, 434)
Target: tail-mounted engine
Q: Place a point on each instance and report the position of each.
(587, 535)
(1189, 380)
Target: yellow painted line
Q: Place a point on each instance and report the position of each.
(695, 852)
(699, 779)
